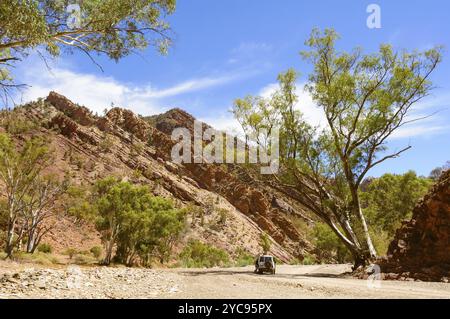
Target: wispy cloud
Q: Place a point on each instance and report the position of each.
(189, 86)
(250, 51)
(249, 48)
(98, 92)
(311, 112)
(418, 130)
(224, 121)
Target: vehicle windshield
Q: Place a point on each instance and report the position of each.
(265, 259)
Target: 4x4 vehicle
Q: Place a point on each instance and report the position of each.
(265, 263)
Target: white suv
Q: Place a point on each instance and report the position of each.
(265, 263)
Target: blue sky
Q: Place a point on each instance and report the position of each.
(226, 49)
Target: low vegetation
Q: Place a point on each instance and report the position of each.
(136, 227)
(199, 255)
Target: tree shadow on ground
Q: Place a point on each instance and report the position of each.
(210, 272)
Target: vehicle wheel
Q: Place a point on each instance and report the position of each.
(273, 271)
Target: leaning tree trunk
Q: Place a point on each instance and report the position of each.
(108, 253)
(10, 237)
(358, 253)
(371, 252)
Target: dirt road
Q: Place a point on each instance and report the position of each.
(318, 281)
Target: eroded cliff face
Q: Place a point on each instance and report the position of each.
(124, 144)
(421, 248)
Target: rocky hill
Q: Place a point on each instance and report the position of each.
(121, 143)
(421, 248)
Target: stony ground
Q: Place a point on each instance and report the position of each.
(319, 281)
(92, 282)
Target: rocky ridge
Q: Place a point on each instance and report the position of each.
(121, 143)
(421, 247)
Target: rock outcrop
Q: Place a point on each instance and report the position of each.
(421, 248)
(88, 147)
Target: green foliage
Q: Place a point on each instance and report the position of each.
(15, 123)
(309, 259)
(390, 199)
(37, 258)
(140, 225)
(295, 261)
(106, 143)
(71, 252)
(136, 149)
(197, 255)
(45, 248)
(20, 169)
(365, 99)
(329, 245)
(223, 216)
(243, 258)
(78, 161)
(96, 251)
(115, 28)
(196, 212)
(76, 202)
(81, 259)
(381, 240)
(265, 242)
(136, 174)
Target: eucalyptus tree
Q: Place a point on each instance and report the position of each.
(39, 207)
(365, 99)
(20, 168)
(114, 28)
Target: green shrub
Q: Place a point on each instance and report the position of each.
(330, 245)
(244, 258)
(223, 216)
(45, 248)
(295, 261)
(36, 258)
(70, 252)
(85, 253)
(309, 260)
(197, 254)
(265, 242)
(83, 260)
(381, 240)
(96, 251)
(16, 124)
(106, 143)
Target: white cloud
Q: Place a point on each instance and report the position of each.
(188, 86)
(311, 113)
(95, 92)
(250, 52)
(418, 130)
(428, 126)
(224, 122)
(98, 92)
(251, 48)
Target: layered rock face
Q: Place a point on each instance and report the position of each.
(121, 143)
(421, 248)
